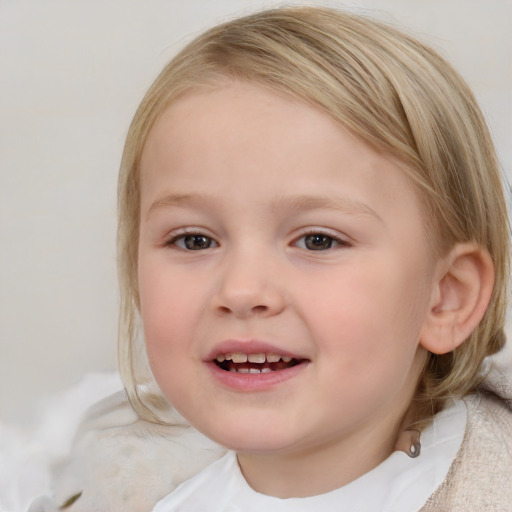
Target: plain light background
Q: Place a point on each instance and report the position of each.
(71, 75)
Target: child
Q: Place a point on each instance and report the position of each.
(313, 230)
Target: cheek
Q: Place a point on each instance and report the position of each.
(367, 351)
(167, 322)
(166, 311)
(371, 314)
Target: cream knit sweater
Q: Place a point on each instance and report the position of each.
(480, 478)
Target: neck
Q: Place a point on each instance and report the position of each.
(320, 469)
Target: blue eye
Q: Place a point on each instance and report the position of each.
(193, 242)
(319, 242)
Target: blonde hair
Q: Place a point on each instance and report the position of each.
(390, 90)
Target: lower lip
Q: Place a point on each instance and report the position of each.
(254, 381)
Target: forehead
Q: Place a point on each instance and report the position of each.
(240, 133)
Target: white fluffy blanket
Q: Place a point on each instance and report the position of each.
(89, 446)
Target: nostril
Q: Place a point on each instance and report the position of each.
(255, 309)
(260, 309)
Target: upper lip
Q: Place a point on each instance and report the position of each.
(249, 347)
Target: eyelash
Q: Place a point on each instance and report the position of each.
(330, 241)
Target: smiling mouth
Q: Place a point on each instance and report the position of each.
(255, 363)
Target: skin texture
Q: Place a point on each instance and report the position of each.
(251, 175)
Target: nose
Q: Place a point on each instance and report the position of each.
(249, 286)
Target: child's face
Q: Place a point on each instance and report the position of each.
(268, 230)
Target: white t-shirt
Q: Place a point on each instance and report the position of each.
(399, 484)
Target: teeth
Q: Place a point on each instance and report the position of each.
(250, 370)
(238, 357)
(256, 358)
(260, 358)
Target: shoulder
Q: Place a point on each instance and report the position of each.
(480, 477)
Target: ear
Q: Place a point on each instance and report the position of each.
(462, 288)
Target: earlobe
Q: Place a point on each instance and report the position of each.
(462, 288)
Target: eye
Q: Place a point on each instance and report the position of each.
(193, 242)
(319, 242)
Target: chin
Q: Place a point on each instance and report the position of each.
(249, 438)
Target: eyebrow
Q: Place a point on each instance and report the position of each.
(306, 202)
(174, 200)
(296, 203)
